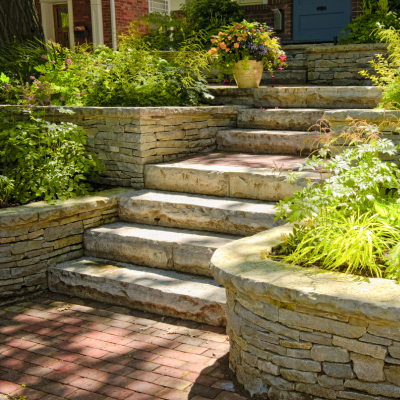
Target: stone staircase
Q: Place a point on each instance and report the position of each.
(156, 258)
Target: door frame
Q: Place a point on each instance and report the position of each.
(46, 7)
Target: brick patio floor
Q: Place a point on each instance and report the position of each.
(52, 348)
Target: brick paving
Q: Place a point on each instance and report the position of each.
(52, 349)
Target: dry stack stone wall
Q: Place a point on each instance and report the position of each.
(340, 65)
(298, 353)
(126, 139)
(36, 236)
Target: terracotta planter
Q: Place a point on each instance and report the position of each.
(249, 78)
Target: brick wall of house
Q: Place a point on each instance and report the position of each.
(107, 23)
(127, 11)
(263, 13)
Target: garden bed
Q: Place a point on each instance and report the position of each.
(307, 332)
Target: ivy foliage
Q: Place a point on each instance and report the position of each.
(43, 160)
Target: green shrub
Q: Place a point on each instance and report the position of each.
(6, 189)
(210, 14)
(44, 160)
(364, 29)
(387, 70)
(334, 225)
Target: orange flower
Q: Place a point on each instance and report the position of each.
(222, 45)
(213, 40)
(239, 39)
(213, 50)
(229, 37)
(226, 49)
(236, 45)
(219, 34)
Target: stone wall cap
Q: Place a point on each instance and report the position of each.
(39, 211)
(345, 48)
(240, 266)
(374, 116)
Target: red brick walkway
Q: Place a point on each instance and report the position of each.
(80, 349)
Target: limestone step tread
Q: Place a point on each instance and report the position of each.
(157, 247)
(155, 290)
(259, 141)
(245, 176)
(292, 119)
(198, 212)
(332, 97)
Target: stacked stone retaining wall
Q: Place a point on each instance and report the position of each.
(38, 235)
(302, 334)
(127, 138)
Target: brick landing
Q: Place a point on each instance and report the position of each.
(84, 350)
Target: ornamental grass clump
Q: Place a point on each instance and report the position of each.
(247, 41)
(348, 220)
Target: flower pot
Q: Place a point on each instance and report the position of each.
(248, 78)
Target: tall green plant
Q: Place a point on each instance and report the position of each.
(44, 160)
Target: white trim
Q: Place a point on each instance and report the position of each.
(97, 22)
(113, 24)
(166, 1)
(46, 7)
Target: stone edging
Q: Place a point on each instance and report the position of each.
(344, 48)
(300, 333)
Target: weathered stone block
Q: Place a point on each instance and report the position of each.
(299, 376)
(265, 345)
(268, 325)
(314, 338)
(376, 340)
(337, 370)
(268, 367)
(356, 346)
(320, 324)
(297, 353)
(331, 383)
(295, 363)
(276, 394)
(384, 389)
(23, 247)
(367, 368)
(277, 382)
(316, 390)
(249, 359)
(295, 345)
(393, 374)
(333, 354)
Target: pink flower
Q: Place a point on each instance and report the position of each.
(53, 62)
(32, 78)
(68, 61)
(229, 37)
(276, 108)
(95, 63)
(62, 98)
(44, 57)
(78, 95)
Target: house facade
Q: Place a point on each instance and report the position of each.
(96, 21)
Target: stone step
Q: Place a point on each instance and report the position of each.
(294, 119)
(157, 247)
(244, 176)
(198, 212)
(154, 290)
(256, 141)
(329, 97)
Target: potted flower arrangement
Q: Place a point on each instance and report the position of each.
(246, 49)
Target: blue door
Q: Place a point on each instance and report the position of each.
(319, 20)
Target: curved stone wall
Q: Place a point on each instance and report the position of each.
(300, 333)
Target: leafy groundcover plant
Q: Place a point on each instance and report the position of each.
(41, 160)
(349, 219)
